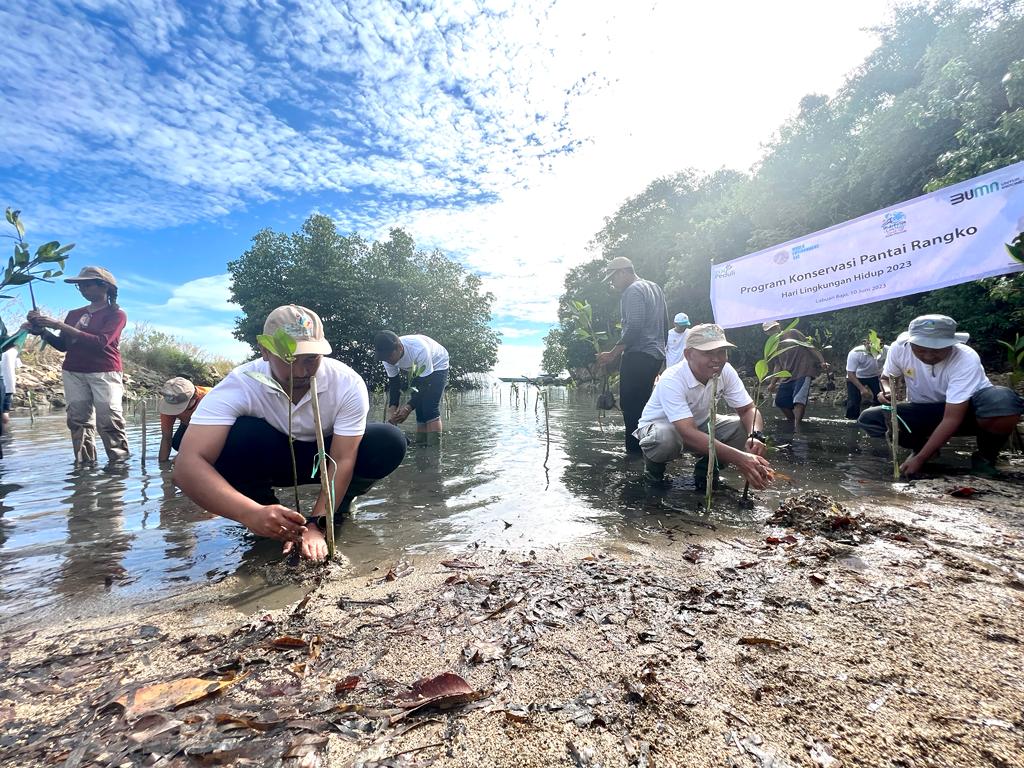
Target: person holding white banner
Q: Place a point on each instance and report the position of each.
(949, 395)
(677, 415)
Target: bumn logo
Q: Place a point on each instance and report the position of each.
(970, 194)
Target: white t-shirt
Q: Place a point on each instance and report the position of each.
(674, 346)
(953, 380)
(9, 363)
(419, 350)
(678, 395)
(341, 393)
(863, 364)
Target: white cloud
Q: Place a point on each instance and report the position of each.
(501, 132)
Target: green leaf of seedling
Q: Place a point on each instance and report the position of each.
(761, 369)
(18, 278)
(792, 325)
(778, 375)
(11, 215)
(262, 378)
(770, 346)
(18, 225)
(46, 249)
(64, 249)
(582, 333)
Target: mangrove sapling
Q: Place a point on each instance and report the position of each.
(1015, 359)
(772, 349)
(583, 316)
(24, 269)
(326, 476)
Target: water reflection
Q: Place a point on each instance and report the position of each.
(73, 537)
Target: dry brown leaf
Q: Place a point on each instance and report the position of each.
(459, 563)
(175, 693)
(286, 641)
(445, 690)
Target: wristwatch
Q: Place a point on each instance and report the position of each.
(757, 435)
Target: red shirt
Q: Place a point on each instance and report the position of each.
(96, 350)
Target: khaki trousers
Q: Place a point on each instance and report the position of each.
(661, 443)
(94, 403)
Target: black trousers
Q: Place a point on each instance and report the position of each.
(636, 382)
(256, 458)
(853, 396)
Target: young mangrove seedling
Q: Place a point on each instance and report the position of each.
(772, 349)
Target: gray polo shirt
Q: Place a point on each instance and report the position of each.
(644, 318)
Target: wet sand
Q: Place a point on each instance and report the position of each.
(883, 632)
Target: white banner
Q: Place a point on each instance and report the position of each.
(955, 235)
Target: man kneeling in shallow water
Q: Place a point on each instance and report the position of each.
(949, 395)
(236, 448)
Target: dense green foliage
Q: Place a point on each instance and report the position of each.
(359, 288)
(171, 357)
(940, 100)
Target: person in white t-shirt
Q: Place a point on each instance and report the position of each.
(427, 363)
(676, 339)
(949, 395)
(9, 363)
(676, 416)
(862, 370)
(236, 448)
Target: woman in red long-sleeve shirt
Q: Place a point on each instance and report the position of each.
(93, 386)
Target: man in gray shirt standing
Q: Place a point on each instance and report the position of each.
(642, 345)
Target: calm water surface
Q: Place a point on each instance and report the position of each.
(81, 541)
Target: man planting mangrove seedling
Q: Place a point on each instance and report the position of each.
(642, 344)
(236, 448)
(803, 362)
(863, 364)
(676, 339)
(677, 415)
(179, 398)
(427, 363)
(949, 395)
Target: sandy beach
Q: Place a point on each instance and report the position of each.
(880, 634)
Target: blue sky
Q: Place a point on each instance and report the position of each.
(161, 135)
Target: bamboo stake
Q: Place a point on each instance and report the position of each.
(143, 460)
(31, 407)
(711, 444)
(894, 427)
(326, 487)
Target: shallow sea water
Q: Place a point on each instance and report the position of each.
(81, 541)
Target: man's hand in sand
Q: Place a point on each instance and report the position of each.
(276, 522)
(756, 470)
(314, 545)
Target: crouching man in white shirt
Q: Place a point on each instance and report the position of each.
(949, 394)
(677, 415)
(236, 448)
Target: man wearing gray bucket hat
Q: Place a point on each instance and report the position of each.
(676, 417)
(949, 395)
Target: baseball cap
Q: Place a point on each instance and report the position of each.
(935, 332)
(619, 262)
(175, 395)
(706, 337)
(769, 325)
(301, 324)
(681, 319)
(93, 273)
